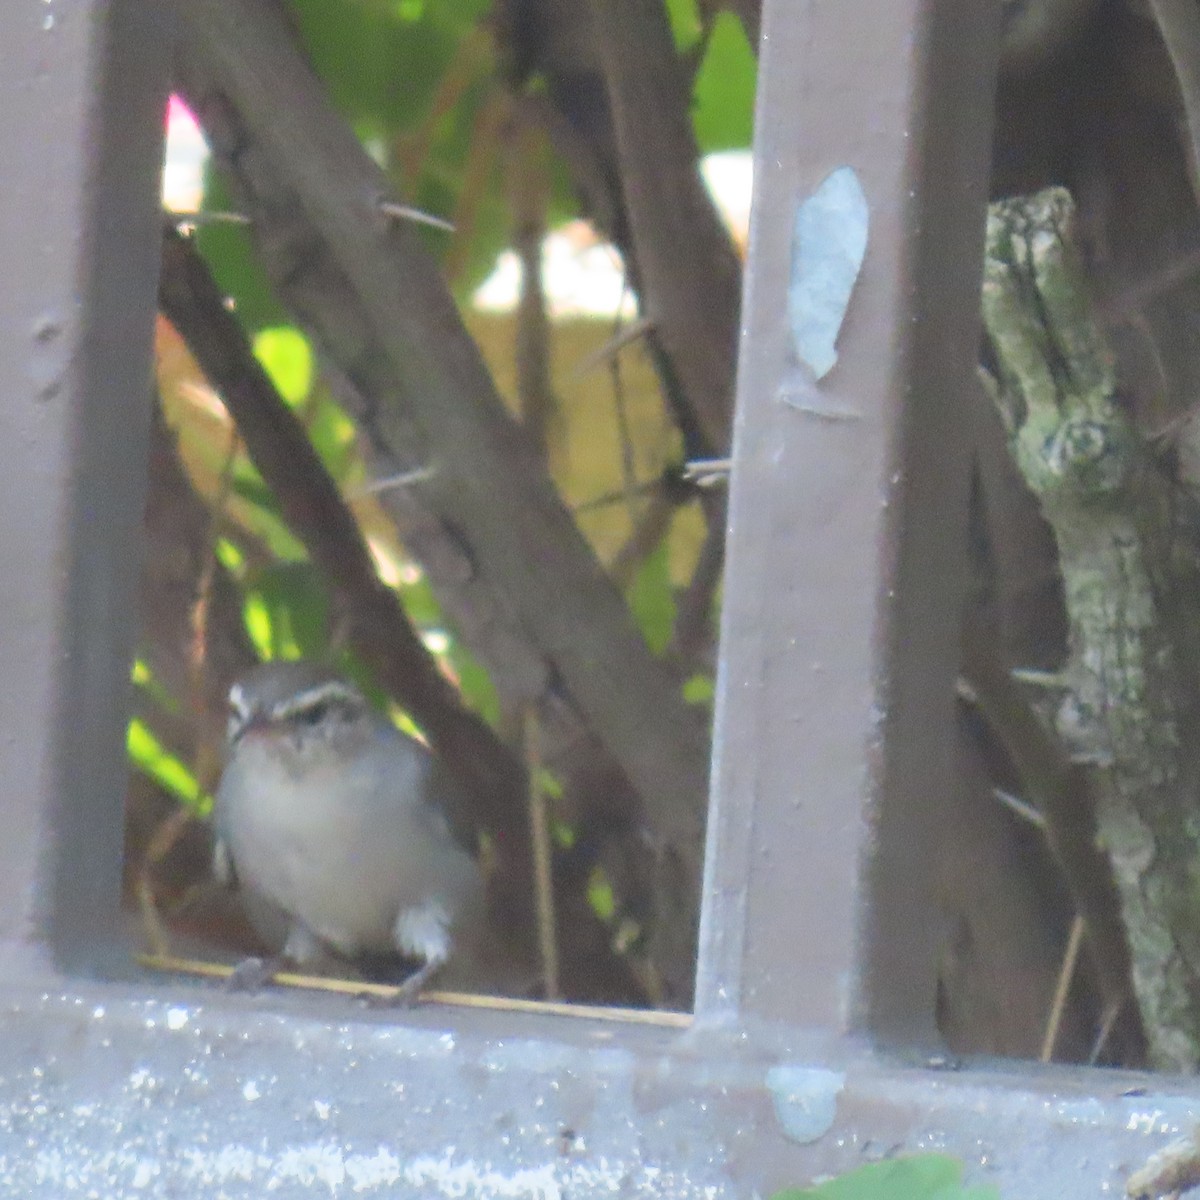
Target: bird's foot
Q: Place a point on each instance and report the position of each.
(252, 974)
(408, 994)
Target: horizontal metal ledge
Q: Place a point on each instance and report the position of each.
(198, 1092)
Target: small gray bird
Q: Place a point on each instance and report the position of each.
(330, 821)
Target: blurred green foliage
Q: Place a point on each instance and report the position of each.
(652, 599)
(288, 359)
(723, 86)
(913, 1177)
(418, 82)
(699, 689)
(287, 611)
(147, 755)
(723, 92)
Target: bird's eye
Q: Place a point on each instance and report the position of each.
(314, 714)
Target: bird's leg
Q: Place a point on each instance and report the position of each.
(421, 932)
(252, 974)
(409, 992)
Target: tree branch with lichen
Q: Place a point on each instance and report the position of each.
(1126, 701)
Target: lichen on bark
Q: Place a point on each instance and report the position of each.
(1128, 696)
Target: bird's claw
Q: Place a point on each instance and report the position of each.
(251, 974)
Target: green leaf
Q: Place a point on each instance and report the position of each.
(230, 556)
(287, 358)
(600, 896)
(914, 1177)
(699, 689)
(333, 434)
(264, 519)
(382, 62)
(287, 612)
(256, 613)
(143, 678)
(685, 23)
(404, 722)
(228, 251)
(652, 599)
(382, 59)
(147, 755)
(478, 691)
(475, 684)
(353, 667)
(420, 603)
(723, 95)
(552, 788)
(409, 10)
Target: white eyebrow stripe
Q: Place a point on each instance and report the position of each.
(240, 712)
(323, 693)
(238, 702)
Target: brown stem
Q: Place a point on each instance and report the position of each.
(1060, 791)
(689, 275)
(693, 620)
(528, 194)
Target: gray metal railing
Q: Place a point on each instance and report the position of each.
(833, 738)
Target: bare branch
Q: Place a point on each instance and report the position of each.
(689, 276)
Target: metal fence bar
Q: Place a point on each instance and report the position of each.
(82, 103)
(104, 1091)
(839, 632)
